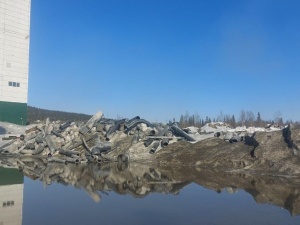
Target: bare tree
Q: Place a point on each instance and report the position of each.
(278, 118)
(220, 117)
(242, 119)
(258, 121)
(250, 118)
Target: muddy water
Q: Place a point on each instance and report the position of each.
(141, 194)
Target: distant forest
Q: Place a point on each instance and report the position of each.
(246, 118)
(34, 114)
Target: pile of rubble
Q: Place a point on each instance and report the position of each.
(227, 133)
(97, 140)
(101, 139)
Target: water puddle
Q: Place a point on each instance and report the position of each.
(53, 193)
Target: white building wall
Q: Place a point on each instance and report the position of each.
(14, 50)
(11, 204)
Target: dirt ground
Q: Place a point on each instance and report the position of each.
(268, 153)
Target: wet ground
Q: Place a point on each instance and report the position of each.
(141, 194)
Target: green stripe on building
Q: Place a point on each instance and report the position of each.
(10, 176)
(13, 112)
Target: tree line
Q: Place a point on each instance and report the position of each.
(34, 114)
(246, 118)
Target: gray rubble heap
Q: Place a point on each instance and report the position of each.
(97, 140)
(101, 139)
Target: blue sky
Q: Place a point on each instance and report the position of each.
(159, 59)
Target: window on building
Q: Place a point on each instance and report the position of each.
(13, 84)
(8, 203)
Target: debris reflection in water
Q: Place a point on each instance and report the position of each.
(160, 195)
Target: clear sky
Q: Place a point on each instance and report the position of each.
(160, 58)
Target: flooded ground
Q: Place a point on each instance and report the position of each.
(140, 194)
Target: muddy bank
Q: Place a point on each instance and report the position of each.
(264, 153)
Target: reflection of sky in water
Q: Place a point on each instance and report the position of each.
(58, 204)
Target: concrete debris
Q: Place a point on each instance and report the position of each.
(101, 140)
(214, 127)
(71, 142)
